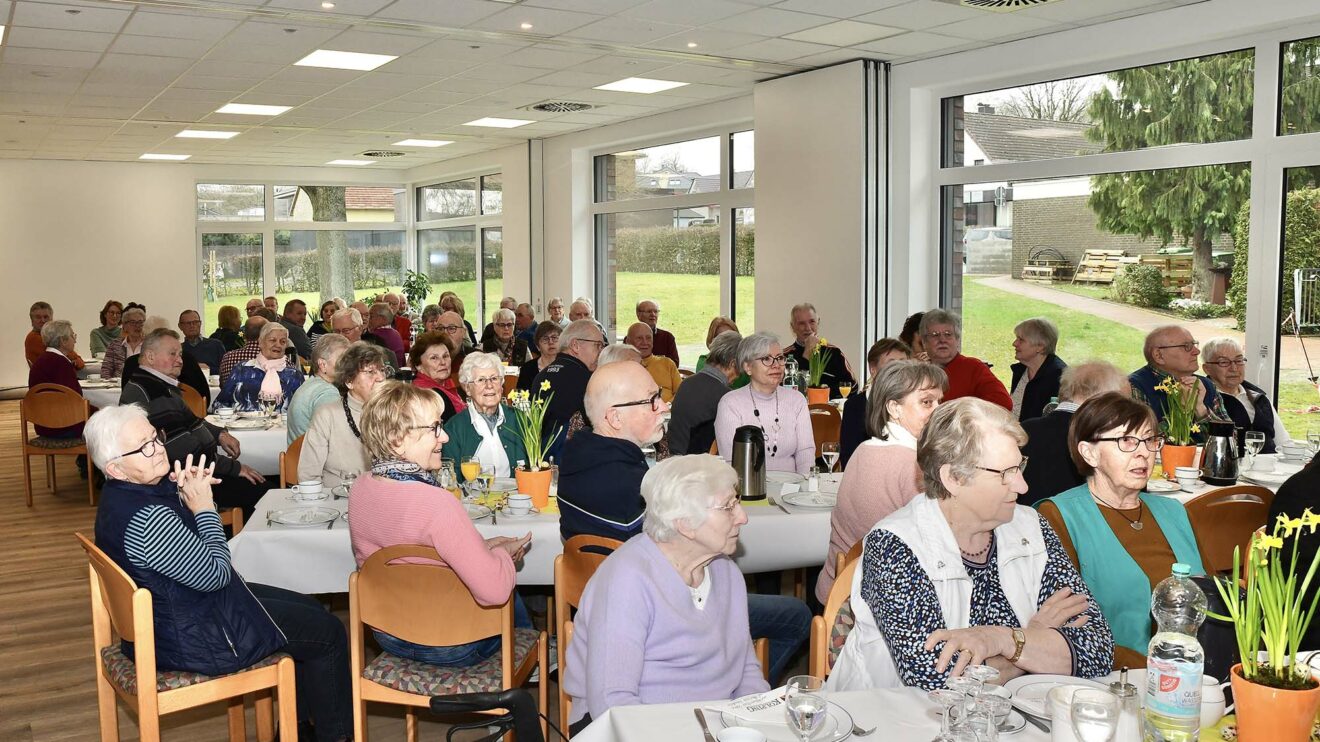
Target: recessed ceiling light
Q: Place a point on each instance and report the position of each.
(499, 123)
(204, 134)
(525, 26)
(692, 45)
(422, 143)
(250, 109)
(2, 34)
(641, 85)
(152, 156)
(344, 60)
(327, 6)
(349, 162)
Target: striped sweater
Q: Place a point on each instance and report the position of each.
(156, 539)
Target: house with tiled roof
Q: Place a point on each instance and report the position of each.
(361, 204)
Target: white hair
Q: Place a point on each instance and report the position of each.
(153, 323)
(582, 329)
(103, 428)
(270, 327)
(684, 488)
(474, 363)
(755, 346)
(502, 314)
(349, 312)
(618, 354)
(54, 332)
(1209, 349)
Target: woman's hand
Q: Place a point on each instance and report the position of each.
(515, 547)
(973, 645)
(194, 483)
(1063, 608)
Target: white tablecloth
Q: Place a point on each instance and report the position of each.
(319, 560)
(898, 715)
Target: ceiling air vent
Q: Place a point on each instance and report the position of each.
(381, 154)
(1000, 6)
(560, 106)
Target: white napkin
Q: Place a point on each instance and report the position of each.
(758, 708)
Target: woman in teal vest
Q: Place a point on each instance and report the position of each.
(1123, 539)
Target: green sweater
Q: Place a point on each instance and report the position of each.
(464, 439)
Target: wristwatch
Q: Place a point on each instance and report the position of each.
(1019, 639)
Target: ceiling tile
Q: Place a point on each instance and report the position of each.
(500, 73)
(707, 41)
(438, 97)
(450, 13)
(342, 7)
(547, 58)
(255, 71)
(52, 58)
(840, 8)
(273, 53)
(684, 12)
(844, 33)
(45, 38)
(372, 42)
(994, 26)
(140, 67)
(170, 26)
(909, 44)
(619, 67)
(777, 50)
(86, 18)
(603, 7)
(213, 82)
(544, 21)
(406, 105)
(626, 31)
(158, 46)
(919, 15)
(770, 22)
(467, 51)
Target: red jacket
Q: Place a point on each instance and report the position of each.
(970, 377)
(665, 345)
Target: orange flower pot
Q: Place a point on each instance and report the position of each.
(1172, 457)
(818, 395)
(536, 484)
(1266, 714)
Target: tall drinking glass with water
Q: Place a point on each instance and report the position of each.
(829, 451)
(1175, 660)
(1094, 715)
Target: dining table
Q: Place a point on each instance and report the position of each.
(319, 558)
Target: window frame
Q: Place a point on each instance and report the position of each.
(478, 222)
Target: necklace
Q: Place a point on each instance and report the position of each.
(774, 449)
(979, 555)
(348, 415)
(1136, 525)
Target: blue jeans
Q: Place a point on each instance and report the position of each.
(458, 655)
(785, 621)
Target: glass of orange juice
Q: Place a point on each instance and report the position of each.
(471, 469)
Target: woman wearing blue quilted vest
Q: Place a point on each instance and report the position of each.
(161, 527)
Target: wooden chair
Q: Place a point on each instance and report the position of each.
(573, 569)
(233, 517)
(400, 599)
(195, 401)
(819, 659)
(714, 448)
(852, 555)
(119, 607)
(684, 373)
(1225, 519)
(53, 406)
(825, 423)
(289, 462)
(510, 383)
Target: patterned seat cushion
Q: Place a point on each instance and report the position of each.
(42, 441)
(423, 679)
(123, 674)
(843, 624)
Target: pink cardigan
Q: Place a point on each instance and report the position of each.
(880, 479)
(385, 512)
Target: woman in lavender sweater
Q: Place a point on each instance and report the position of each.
(664, 619)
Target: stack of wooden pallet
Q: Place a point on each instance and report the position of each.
(1098, 266)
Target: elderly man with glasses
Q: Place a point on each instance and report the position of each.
(1247, 405)
(579, 348)
(1171, 350)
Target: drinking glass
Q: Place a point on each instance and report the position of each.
(806, 712)
(268, 403)
(983, 673)
(1313, 440)
(947, 699)
(845, 390)
(830, 452)
(1253, 441)
(1094, 715)
(471, 468)
(803, 684)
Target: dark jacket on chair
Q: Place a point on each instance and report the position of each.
(191, 374)
(55, 368)
(1264, 421)
(1050, 469)
(1043, 386)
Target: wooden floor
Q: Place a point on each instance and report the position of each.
(47, 691)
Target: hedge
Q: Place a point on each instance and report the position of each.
(1141, 285)
(692, 250)
(1301, 236)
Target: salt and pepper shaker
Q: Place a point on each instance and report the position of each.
(1129, 709)
(813, 480)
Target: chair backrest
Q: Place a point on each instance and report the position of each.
(195, 401)
(232, 517)
(714, 448)
(1225, 519)
(510, 383)
(852, 555)
(54, 406)
(117, 589)
(821, 659)
(289, 462)
(825, 424)
(573, 568)
(400, 598)
(684, 373)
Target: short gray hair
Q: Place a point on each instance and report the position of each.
(1041, 331)
(328, 347)
(618, 353)
(894, 382)
(136, 312)
(502, 314)
(381, 309)
(724, 349)
(582, 329)
(431, 312)
(103, 428)
(941, 317)
(153, 323)
(349, 312)
(1209, 349)
(154, 338)
(356, 357)
(955, 436)
(270, 327)
(55, 332)
(1091, 379)
(684, 488)
(475, 362)
(756, 345)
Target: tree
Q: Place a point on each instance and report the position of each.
(1190, 101)
(1061, 100)
(671, 163)
(333, 267)
(1299, 94)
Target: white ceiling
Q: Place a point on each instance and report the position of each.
(113, 79)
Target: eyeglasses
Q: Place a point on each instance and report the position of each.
(1187, 347)
(654, 400)
(484, 380)
(138, 322)
(147, 449)
(727, 507)
(552, 339)
(601, 343)
(1226, 363)
(434, 427)
(947, 334)
(772, 361)
(347, 330)
(504, 324)
(382, 372)
(1006, 475)
(1129, 443)
(451, 328)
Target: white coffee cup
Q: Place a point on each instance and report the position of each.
(520, 504)
(224, 412)
(1294, 451)
(739, 734)
(93, 377)
(309, 490)
(1213, 705)
(1187, 476)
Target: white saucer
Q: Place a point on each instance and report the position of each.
(507, 513)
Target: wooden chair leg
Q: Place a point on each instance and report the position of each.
(543, 701)
(265, 713)
(410, 723)
(109, 707)
(237, 722)
(50, 474)
(27, 477)
(288, 702)
(91, 482)
(800, 583)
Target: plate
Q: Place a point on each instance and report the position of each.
(302, 517)
(838, 725)
(109, 384)
(504, 484)
(1161, 486)
(507, 513)
(809, 499)
(784, 477)
(1028, 691)
(477, 512)
(829, 483)
(251, 414)
(246, 424)
(1267, 478)
(1015, 723)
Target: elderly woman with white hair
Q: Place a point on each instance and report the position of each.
(664, 619)
(129, 343)
(1225, 363)
(510, 350)
(488, 429)
(779, 412)
(55, 366)
(1037, 372)
(964, 575)
(161, 527)
(319, 388)
(269, 376)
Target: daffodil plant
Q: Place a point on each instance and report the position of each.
(531, 412)
(1273, 612)
(820, 355)
(1179, 412)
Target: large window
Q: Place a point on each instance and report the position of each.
(460, 241)
(449, 258)
(1299, 302)
(339, 203)
(672, 228)
(1300, 87)
(231, 271)
(230, 202)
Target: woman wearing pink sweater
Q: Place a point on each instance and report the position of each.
(882, 475)
(400, 503)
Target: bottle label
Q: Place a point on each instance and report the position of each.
(1173, 688)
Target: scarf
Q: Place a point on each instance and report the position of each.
(402, 471)
(270, 385)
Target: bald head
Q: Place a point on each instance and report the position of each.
(452, 325)
(1172, 349)
(620, 384)
(642, 337)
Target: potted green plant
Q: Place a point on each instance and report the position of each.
(1179, 425)
(817, 392)
(1276, 698)
(534, 475)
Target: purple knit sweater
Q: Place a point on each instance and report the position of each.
(638, 638)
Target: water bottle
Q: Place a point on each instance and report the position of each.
(1054, 403)
(1175, 660)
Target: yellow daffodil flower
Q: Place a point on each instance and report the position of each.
(1288, 525)
(1196, 428)
(1310, 519)
(545, 385)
